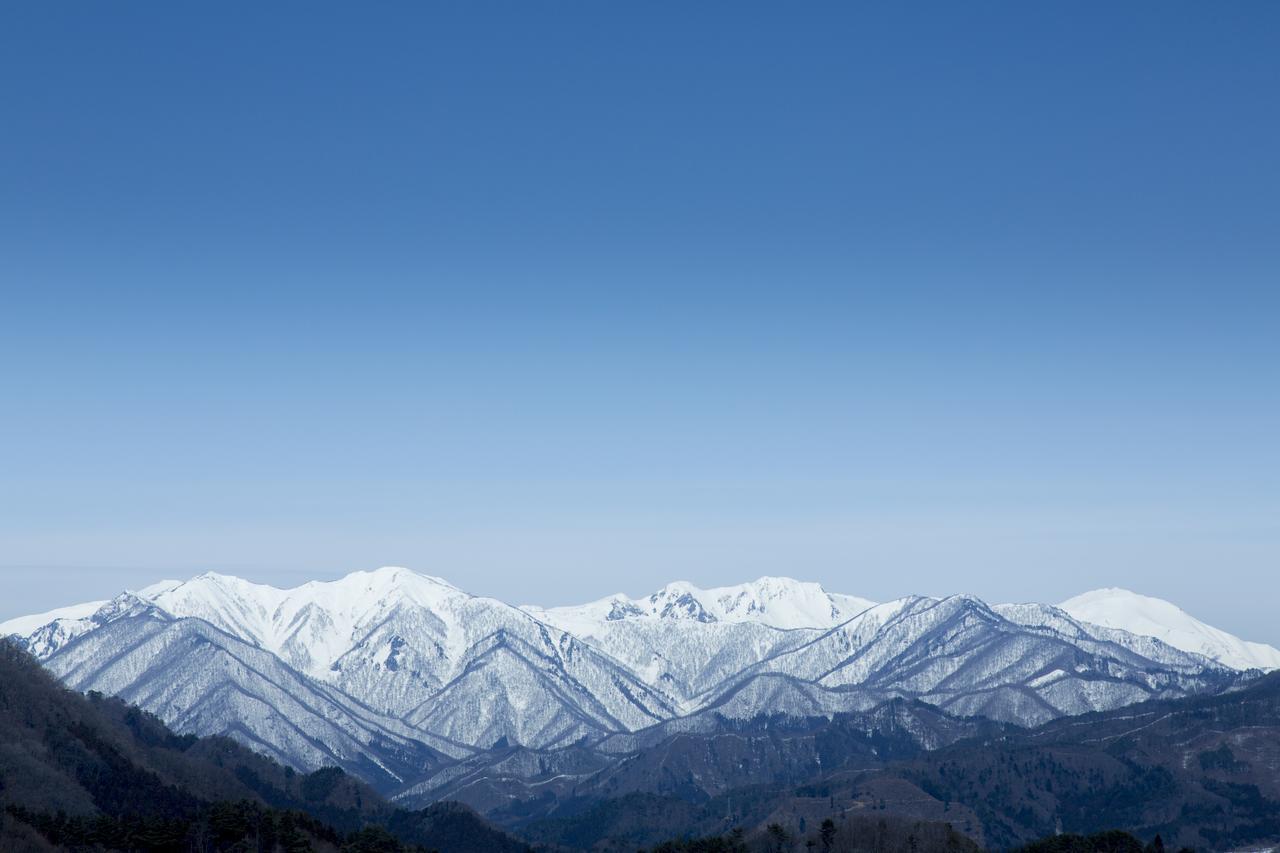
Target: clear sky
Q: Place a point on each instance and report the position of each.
(561, 299)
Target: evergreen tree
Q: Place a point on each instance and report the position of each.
(827, 833)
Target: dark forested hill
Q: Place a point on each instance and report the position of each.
(1201, 772)
(93, 773)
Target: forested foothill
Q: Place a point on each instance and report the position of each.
(92, 773)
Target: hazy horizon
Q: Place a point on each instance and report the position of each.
(557, 302)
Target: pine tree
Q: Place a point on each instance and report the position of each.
(827, 833)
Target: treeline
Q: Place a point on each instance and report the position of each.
(855, 835)
(1113, 841)
(869, 835)
(243, 826)
(249, 827)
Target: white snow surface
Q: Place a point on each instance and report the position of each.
(778, 602)
(311, 626)
(1143, 615)
(391, 666)
(24, 625)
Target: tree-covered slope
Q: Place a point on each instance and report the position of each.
(90, 771)
(1201, 772)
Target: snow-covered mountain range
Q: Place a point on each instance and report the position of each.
(405, 679)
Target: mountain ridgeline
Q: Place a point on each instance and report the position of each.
(774, 703)
(1201, 772)
(90, 772)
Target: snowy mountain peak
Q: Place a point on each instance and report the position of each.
(314, 624)
(370, 588)
(23, 625)
(390, 576)
(367, 663)
(786, 603)
(150, 591)
(1113, 593)
(680, 600)
(1113, 607)
(777, 602)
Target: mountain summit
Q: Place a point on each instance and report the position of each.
(774, 601)
(1113, 607)
(398, 676)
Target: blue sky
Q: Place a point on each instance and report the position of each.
(558, 300)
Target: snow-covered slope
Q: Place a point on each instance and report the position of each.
(396, 675)
(688, 641)
(461, 667)
(313, 625)
(1153, 617)
(773, 601)
(202, 680)
(45, 633)
(25, 625)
